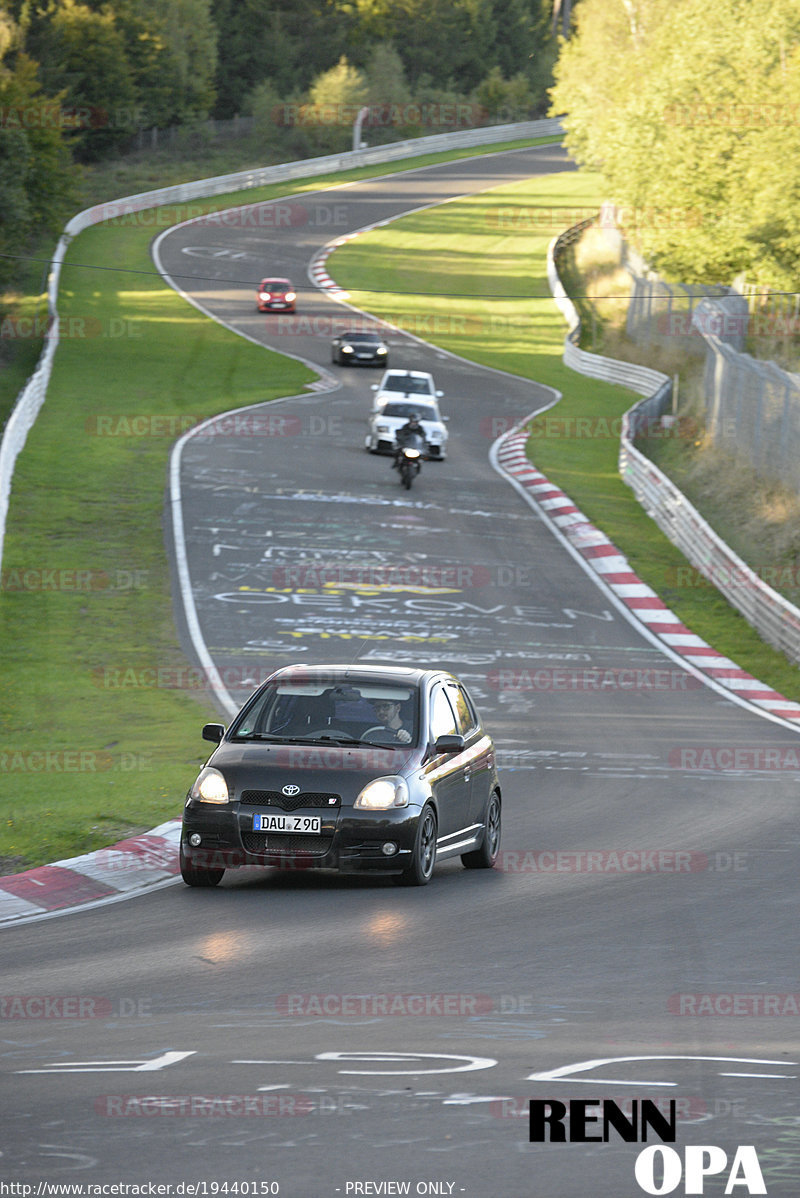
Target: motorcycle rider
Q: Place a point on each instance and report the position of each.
(411, 434)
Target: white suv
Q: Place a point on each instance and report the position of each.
(405, 384)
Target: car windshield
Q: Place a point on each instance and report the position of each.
(407, 384)
(352, 712)
(404, 410)
(355, 336)
(271, 285)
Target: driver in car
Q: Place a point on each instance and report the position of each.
(388, 712)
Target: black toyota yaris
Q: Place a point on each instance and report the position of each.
(376, 769)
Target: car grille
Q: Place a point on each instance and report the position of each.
(311, 846)
(274, 798)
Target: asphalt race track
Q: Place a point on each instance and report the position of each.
(324, 1034)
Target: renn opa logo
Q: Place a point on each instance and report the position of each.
(658, 1169)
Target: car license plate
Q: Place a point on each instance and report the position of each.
(308, 824)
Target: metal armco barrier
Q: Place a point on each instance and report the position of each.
(30, 399)
(772, 616)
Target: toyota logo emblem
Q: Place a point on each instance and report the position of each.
(290, 790)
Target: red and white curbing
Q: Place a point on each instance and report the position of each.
(141, 863)
(319, 275)
(613, 569)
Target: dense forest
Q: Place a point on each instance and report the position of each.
(79, 79)
(691, 112)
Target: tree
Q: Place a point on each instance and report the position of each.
(285, 43)
(695, 126)
(83, 56)
(37, 183)
(187, 31)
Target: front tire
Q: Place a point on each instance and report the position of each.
(423, 859)
(199, 875)
(486, 856)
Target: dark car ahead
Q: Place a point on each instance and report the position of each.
(375, 769)
(359, 347)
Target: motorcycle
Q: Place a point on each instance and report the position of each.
(410, 465)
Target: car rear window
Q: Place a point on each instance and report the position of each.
(408, 386)
(393, 408)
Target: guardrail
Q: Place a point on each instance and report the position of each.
(773, 616)
(30, 399)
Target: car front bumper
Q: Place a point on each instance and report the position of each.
(351, 841)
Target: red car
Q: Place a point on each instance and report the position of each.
(276, 295)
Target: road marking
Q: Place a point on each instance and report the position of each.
(166, 1058)
(566, 1073)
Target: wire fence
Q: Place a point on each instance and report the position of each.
(664, 313)
(752, 406)
(773, 616)
(753, 410)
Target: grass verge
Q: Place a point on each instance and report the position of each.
(100, 733)
(494, 245)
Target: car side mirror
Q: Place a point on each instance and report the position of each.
(449, 744)
(213, 732)
(373, 387)
(439, 394)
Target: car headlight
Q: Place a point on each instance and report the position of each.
(347, 349)
(382, 428)
(382, 793)
(289, 296)
(210, 786)
(382, 349)
(263, 295)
